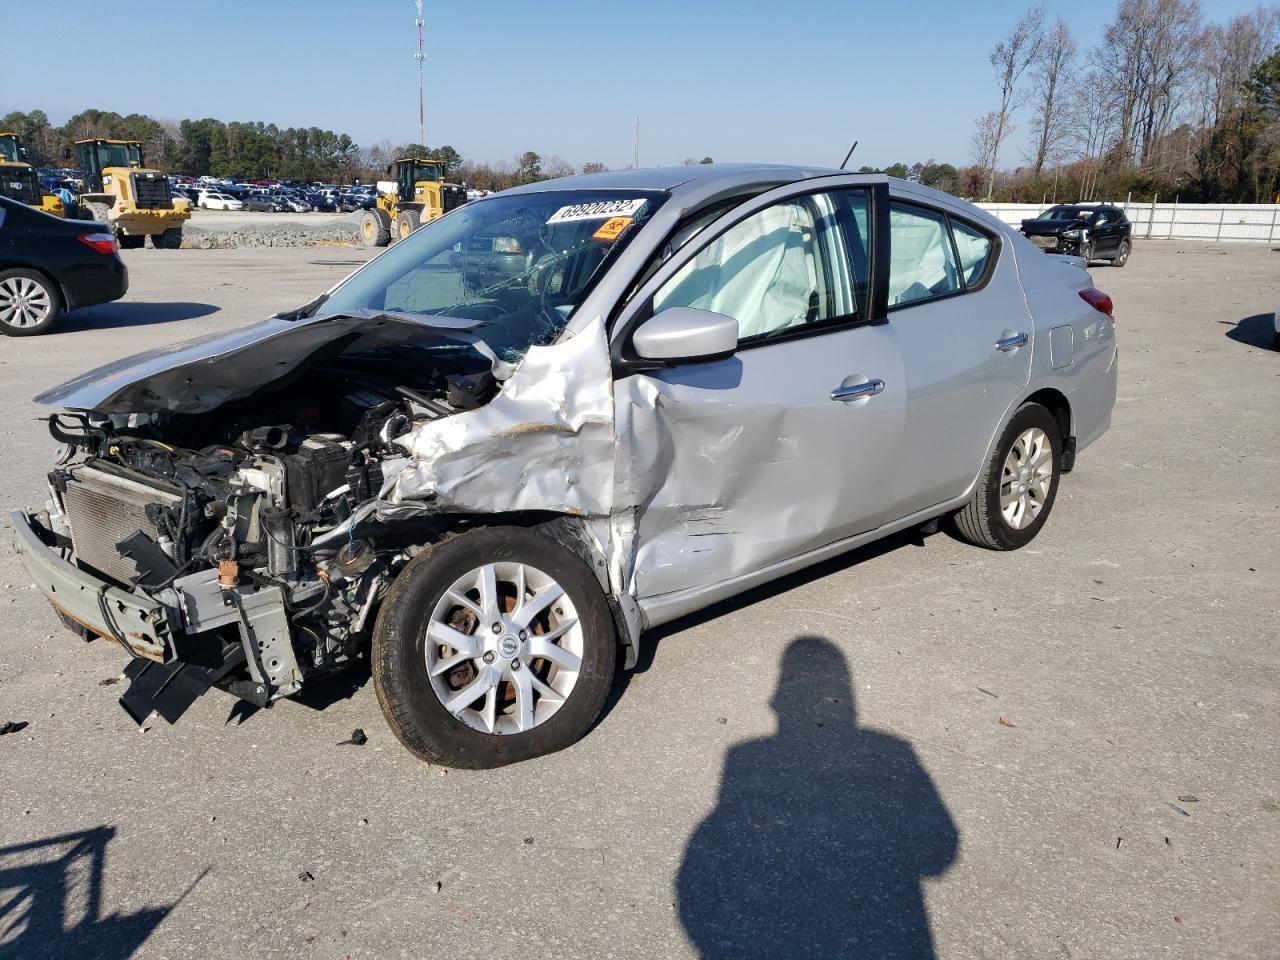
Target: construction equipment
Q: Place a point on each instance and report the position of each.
(418, 195)
(18, 180)
(119, 190)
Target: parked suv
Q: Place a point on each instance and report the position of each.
(1095, 232)
(698, 380)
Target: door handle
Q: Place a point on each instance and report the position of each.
(1011, 343)
(857, 391)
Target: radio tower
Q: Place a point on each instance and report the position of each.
(420, 57)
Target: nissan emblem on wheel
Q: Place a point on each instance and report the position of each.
(551, 419)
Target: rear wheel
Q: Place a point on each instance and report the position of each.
(171, 239)
(407, 221)
(29, 303)
(1018, 484)
(375, 229)
(493, 647)
(130, 241)
(1122, 254)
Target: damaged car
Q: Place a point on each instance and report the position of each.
(496, 454)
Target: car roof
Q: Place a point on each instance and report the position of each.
(690, 178)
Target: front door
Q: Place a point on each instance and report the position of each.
(791, 443)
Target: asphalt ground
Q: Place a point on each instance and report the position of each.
(919, 750)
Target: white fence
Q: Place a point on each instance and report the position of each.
(1258, 222)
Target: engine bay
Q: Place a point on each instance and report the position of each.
(257, 499)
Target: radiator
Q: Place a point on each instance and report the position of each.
(104, 508)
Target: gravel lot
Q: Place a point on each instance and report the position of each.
(1073, 745)
(236, 229)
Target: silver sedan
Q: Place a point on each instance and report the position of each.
(664, 387)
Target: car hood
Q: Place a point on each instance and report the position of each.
(200, 375)
(1049, 228)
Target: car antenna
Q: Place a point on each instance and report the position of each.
(849, 154)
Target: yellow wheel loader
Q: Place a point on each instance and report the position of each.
(121, 191)
(18, 180)
(418, 195)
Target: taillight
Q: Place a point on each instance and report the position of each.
(1098, 300)
(102, 242)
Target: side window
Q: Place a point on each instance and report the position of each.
(974, 248)
(783, 268)
(921, 262)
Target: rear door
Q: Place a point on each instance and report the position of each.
(791, 443)
(956, 307)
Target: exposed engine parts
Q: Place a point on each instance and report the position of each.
(221, 519)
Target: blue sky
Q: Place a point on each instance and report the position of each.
(793, 81)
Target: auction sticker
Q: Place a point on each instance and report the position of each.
(598, 210)
(612, 228)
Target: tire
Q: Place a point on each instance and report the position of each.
(98, 211)
(407, 221)
(1122, 254)
(30, 303)
(1087, 252)
(171, 239)
(375, 229)
(130, 241)
(983, 521)
(485, 736)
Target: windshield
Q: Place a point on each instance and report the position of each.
(426, 171)
(1068, 213)
(9, 149)
(517, 265)
(118, 154)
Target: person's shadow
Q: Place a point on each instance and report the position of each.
(821, 835)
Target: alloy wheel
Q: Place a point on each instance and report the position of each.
(1026, 478)
(23, 302)
(503, 648)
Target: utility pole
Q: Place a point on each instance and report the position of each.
(420, 57)
(637, 163)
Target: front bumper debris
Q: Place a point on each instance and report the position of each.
(139, 624)
(171, 668)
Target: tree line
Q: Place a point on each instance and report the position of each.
(260, 150)
(1163, 103)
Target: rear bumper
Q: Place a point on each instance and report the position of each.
(145, 222)
(137, 623)
(101, 284)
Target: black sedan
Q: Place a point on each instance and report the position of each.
(1092, 231)
(48, 265)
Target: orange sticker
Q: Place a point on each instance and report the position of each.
(612, 228)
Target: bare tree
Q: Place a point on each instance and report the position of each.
(1011, 58)
(983, 146)
(1150, 51)
(1057, 54)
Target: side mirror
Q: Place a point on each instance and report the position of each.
(389, 169)
(686, 334)
(66, 153)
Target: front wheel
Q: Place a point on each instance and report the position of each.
(1087, 252)
(131, 241)
(29, 303)
(493, 647)
(1016, 489)
(375, 229)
